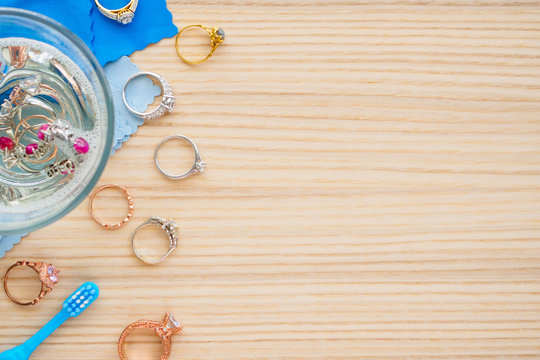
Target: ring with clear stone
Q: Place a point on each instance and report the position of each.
(169, 227)
(198, 166)
(164, 329)
(167, 101)
(123, 15)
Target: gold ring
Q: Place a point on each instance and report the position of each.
(130, 210)
(217, 36)
(123, 15)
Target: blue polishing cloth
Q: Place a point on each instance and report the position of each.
(74, 14)
(108, 39)
(7, 242)
(152, 22)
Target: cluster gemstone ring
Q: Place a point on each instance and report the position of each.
(167, 102)
(48, 275)
(169, 226)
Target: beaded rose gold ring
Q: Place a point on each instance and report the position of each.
(130, 209)
(48, 275)
(164, 329)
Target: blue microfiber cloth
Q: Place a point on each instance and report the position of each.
(7, 242)
(74, 14)
(108, 39)
(152, 22)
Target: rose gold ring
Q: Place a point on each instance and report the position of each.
(164, 329)
(130, 209)
(48, 275)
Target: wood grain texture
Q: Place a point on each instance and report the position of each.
(373, 191)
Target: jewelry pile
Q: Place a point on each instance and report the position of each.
(42, 110)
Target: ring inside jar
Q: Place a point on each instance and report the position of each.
(49, 125)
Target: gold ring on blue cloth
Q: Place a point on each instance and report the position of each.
(123, 15)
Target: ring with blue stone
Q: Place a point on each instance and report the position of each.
(217, 36)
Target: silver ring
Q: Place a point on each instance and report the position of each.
(198, 165)
(167, 102)
(169, 226)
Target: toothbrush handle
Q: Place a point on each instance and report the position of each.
(32, 343)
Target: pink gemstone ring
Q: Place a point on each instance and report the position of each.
(48, 275)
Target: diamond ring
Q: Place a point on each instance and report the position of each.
(198, 166)
(164, 329)
(167, 101)
(123, 15)
(169, 227)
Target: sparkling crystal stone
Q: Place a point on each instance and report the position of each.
(169, 102)
(6, 143)
(200, 166)
(81, 145)
(31, 84)
(39, 56)
(31, 148)
(172, 323)
(126, 18)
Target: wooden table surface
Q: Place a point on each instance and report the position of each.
(372, 191)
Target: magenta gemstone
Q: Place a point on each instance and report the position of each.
(31, 148)
(6, 143)
(65, 172)
(81, 145)
(40, 134)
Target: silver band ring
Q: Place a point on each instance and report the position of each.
(198, 165)
(167, 101)
(169, 226)
(124, 15)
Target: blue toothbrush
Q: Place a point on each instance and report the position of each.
(73, 307)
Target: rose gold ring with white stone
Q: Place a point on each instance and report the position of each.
(48, 275)
(164, 329)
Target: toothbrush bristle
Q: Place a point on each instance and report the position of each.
(81, 299)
